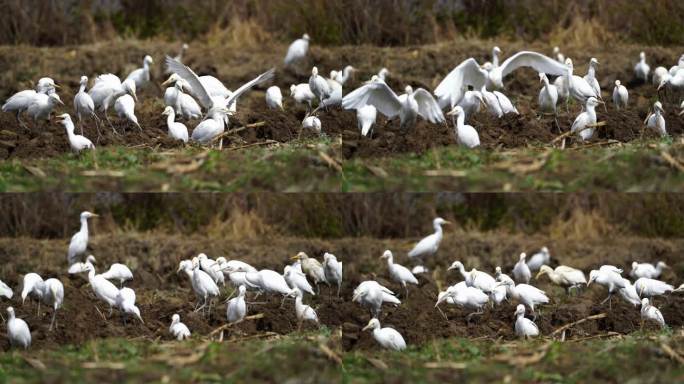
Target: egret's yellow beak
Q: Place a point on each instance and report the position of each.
(57, 86)
(96, 215)
(356, 296)
(539, 274)
(295, 257)
(366, 327)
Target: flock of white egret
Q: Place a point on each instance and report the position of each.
(303, 278)
(462, 93)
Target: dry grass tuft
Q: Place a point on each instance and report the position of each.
(239, 224)
(582, 32)
(581, 225)
(243, 33)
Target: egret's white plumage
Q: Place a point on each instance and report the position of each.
(18, 331)
(204, 286)
(471, 103)
(651, 313)
(297, 279)
(84, 106)
(538, 259)
(319, 86)
(641, 69)
(212, 268)
(466, 135)
(42, 106)
(333, 270)
(177, 131)
(366, 117)
(125, 301)
(371, 294)
(470, 298)
(566, 277)
(297, 50)
(53, 296)
(656, 121)
(629, 293)
(659, 74)
(646, 287)
(578, 88)
(304, 312)
(524, 328)
(20, 101)
(620, 95)
(398, 273)
(77, 143)
(5, 290)
(387, 337)
(125, 109)
(313, 123)
(521, 272)
(558, 55)
(141, 76)
(79, 241)
(108, 88)
(343, 75)
(311, 267)
(236, 309)
(609, 277)
(548, 95)
(103, 288)
(118, 272)
(302, 94)
(585, 119)
(590, 77)
(647, 270)
(429, 245)
(274, 98)
(177, 329)
(525, 294)
(268, 281)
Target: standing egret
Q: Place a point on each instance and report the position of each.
(33, 286)
(578, 88)
(204, 286)
(297, 50)
(610, 278)
(524, 328)
(583, 126)
(319, 86)
(297, 279)
(183, 104)
(521, 272)
(387, 337)
(274, 98)
(477, 279)
(125, 301)
(408, 106)
(366, 117)
(312, 268)
(590, 77)
(179, 330)
(177, 131)
(620, 95)
(564, 276)
(647, 270)
(79, 241)
(313, 123)
(469, 298)
(42, 106)
(646, 287)
(333, 270)
(103, 288)
(20, 101)
(641, 69)
(107, 89)
(499, 294)
(651, 313)
(236, 309)
(466, 135)
(84, 105)
(371, 294)
(141, 76)
(548, 96)
(302, 94)
(125, 109)
(212, 268)
(343, 75)
(18, 331)
(268, 281)
(656, 121)
(629, 293)
(429, 245)
(398, 273)
(118, 272)
(77, 143)
(659, 74)
(53, 295)
(526, 294)
(538, 259)
(304, 312)
(500, 276)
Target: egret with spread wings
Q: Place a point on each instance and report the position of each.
(217, 107)
(408, 106)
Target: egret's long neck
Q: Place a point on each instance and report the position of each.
(82, 88)
(10, 316)
(495, 58)
(390, 260)
(171, 119)
(460, 121)
(69, 126)
(84, 220)
(591, 110)
(592, 71)
(91, 274)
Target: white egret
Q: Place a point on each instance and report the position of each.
(461, 269)
(42, 106)
(79, 267)
(297, 50)
(103, 288)
(125, 301)
(398, 273)
(641, 69)
(79, 241)
(34, 287)
(343, 75)
(499, 294)
(566, 277)
(107, 89)
(319, 86)
(521, 272)
(548, 95)
(5, 290)
(118, 272)
(371, 294)
(387, 337)
(477, 279)
(609, 277)
(383, 74)
(429, 245)
(183, 104)
(646, 287)
(77, 143)
(590, 77)
(471, 103)
(313, 123)
(297, 279)
(578, 88)
(583, 124)
(651, 313)
(312, 268)
(141, 76)
(236, 309)
(177, 131)
(304, 312)
(212, 268)
(125, 109)
(447, 296)
(647, 270)
(524, 327)
(620, 95)
(333, 270)
(179, 57)
(204, 286)
(470, 298)
(500, 276)
(466, 135)
(366, 117)
(659, 74)
(656, 121)
(268, 281)
(235, 265)
(18, 331)
(538, 259)
(408, 107)
(216, 106)
(302, 94)
(629, 293)
(274, 98)
(84, 106)
(526, 294)
(418, 269)
(20, 101)
(451, 89)
(53, 295)
(179, 330)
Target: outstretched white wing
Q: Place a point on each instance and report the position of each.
(264, 77)
(428, 107)
(191, 77)
(453, 87)
(540, 63)
(379, 95)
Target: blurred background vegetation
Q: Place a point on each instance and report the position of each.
(379, 22)
(239, 216)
